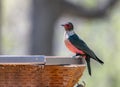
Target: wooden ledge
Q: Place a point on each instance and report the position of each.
(40, 71)
(39, 59)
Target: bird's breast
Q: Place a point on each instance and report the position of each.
(72, 48)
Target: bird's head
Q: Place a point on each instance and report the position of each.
(68, 26)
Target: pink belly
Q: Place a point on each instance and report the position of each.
(72, 48)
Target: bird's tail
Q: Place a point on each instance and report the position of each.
(88, 64)
(98, 60)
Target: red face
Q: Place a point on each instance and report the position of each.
(67, 27)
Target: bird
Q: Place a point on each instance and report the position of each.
(76, 45)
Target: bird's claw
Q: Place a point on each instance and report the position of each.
(81, 85)
(77, 57)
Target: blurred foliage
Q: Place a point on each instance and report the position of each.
(15, 26)
(86, 3)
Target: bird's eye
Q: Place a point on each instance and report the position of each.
(68, 25)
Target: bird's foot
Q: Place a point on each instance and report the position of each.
(74, 56)
(81, 85)
(77, 56)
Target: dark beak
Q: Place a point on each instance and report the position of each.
(62, 25)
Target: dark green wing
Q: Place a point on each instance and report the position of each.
(81, 45)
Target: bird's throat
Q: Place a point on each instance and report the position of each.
(70, 33)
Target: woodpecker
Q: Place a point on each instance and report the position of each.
(75, 44)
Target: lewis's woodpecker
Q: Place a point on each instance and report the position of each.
(78, 46)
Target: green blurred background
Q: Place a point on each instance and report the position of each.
(33, 27)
